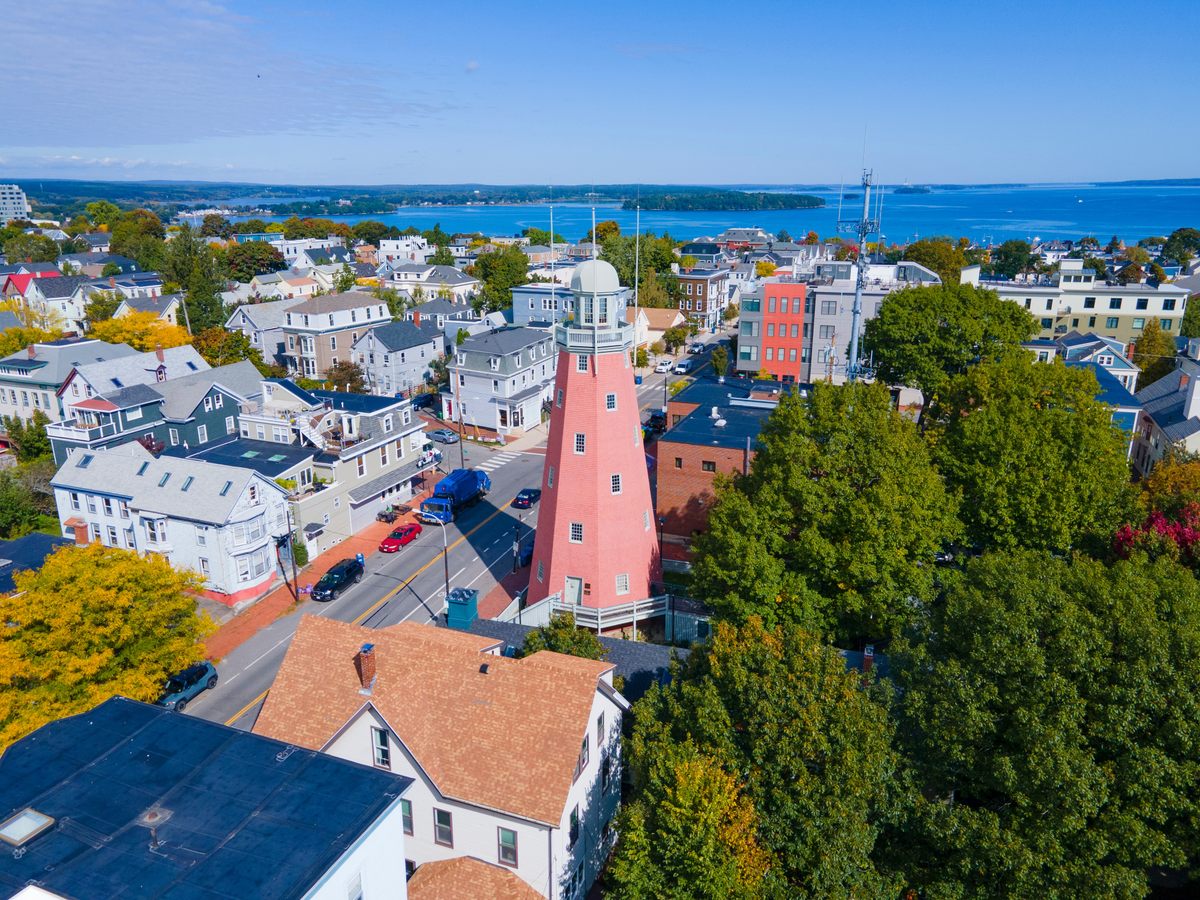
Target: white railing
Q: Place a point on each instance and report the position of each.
(600, 619)
(608, 339)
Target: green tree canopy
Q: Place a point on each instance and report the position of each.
(501, 271)
(372, 231)
(938, 255)
(220, 347)
(102, 306)
(720, 360)
(837, 524)
(1154, 353)
(562, 636)
(345, 279)
(94, 621)
(346, 376)
(1050, 717)
(1097, 265)
(1034, 455)
(609, 228)
(244, 261)
(1012, 258)
(102, 212)
(216, 225)
(138, 234)
(924, 335)
(442, 257)
(28, 438)
(1182, 245)
(30, 248)
(808, 745)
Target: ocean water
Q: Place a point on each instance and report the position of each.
(985, 214)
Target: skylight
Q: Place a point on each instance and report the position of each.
(85, 461)
(250, 454)
(225, 490)
(117, 382)
(166, 477)
(278, 457)
(191, 365)
(24, 826)
(142, 468)
(187, 483)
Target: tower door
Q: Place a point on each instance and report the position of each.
(573, 593)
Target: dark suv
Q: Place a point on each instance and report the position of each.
(337, 579)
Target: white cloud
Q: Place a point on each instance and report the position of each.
(472, 65)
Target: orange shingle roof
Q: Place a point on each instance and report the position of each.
(662, 319)
(467, 878)
(506, 740)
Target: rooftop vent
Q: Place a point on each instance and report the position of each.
(483, 669)
(20, 829)
(155, 815)
(720, 423)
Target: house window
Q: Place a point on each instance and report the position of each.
(1139, 324)
(173, 434)
(1143, 302)
(443, 828)
(1089, 302)
(202, 535)
(362, 466)
(379, 746)
(576, 532)
(1110, 322)
(1114, 303)
(679, 462)
(1166, 324)
(218, 401)
(623, 583)
(580, 442)
(230, 427)
(581, 363)
(112, 536)
(208, 404)
(1168, 304)
(406, 818)
(614, 483)
(573, 832)
(585, 756)
(124, 510)
(507, 840)
(108, 507)
(95, 532)
(829, 307)
(600, 734)
(202, 434)
(204, 570)
(91, 501)
(383, 455)
(708, 465)
(333, 342)
(610, 401)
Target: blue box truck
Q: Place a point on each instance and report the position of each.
(458, 489)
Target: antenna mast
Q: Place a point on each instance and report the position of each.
(862, 228)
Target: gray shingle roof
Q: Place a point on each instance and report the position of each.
(266, 316)
(183, 395)
(1166, 404)
(61, 357)
(503, 341)
(440, 306)
(139, 368)
(402, 335)
(56, 288)
(336, 302)
(130, 397)
(157, 305)
(115, 472)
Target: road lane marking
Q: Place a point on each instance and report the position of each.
(386, 597)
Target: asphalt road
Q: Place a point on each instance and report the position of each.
(405, 586)
(410, 585)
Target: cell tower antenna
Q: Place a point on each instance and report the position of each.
(637, 261)
(841, 190)
(862, 229)
(553, 276)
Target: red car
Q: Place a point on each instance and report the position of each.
(405, 534)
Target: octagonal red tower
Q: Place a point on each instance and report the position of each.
(596, 544)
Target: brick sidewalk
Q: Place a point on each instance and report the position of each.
(279, 602)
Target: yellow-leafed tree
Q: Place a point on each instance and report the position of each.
(93, 622)
(140, 330)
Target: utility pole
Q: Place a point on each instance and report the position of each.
(458, 393)
(863, 228)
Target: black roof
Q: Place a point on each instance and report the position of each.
(27, 552)
(359, 403)
(639, 663)
(267, 458)
(732, 428)
(241, 815)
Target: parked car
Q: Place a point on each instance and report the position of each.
(443, 436)
(337, 579)
(423, 401)
(526, 497)
(683, 367)
(657, 421)
(401, 537)
(696, 348)
(664, 365)
(187, 685)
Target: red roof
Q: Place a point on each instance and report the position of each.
(21, 282)
(97, 403)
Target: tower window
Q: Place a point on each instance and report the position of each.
(646, 519)
(560, 393)
(581, 363)
(550, 477)
(576, 532)
(610, 401)
(580, 442)
(615, 483)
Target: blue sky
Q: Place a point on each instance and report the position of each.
(703, 92)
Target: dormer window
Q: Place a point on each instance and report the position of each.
(495, 361)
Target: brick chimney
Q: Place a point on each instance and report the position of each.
(1183, 381)
(31, 351)
(417, 317)
(112, 281)
(158, 351)
(869, 658)
(364, 664)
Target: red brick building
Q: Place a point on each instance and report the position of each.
(771, 330)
